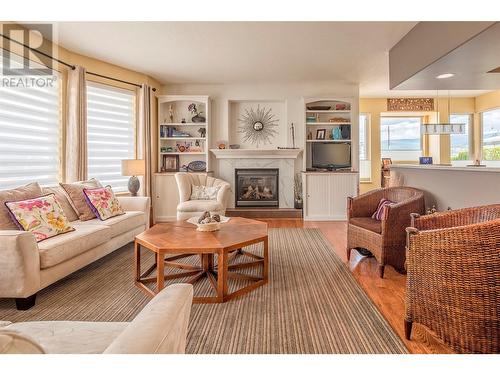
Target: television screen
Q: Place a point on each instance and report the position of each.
(331, 155)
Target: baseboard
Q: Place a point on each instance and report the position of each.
(325, 218)
(263, 212)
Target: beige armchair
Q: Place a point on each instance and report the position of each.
(160, 328)
(188, 208)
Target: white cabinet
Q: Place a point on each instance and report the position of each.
(325, 194)
(165, 197)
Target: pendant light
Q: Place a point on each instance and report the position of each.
(443, 127)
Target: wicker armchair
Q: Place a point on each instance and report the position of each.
(385, 239)
(453, 283)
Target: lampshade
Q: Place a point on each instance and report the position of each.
(133, 167)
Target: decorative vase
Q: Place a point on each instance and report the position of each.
(297, 204)
(133, 185)
(198, 118)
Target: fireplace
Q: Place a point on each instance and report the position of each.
(257, 187)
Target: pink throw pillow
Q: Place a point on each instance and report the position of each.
(379, 213)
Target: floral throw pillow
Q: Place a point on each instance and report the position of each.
(42, 216)
(103, 202)
(204, 192)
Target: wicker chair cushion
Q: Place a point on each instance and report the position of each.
(367, 223)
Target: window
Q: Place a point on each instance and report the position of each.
(460, 153)
(365, 173)
(29, 130)
(490, 141)
(400, 137)
(110, 133)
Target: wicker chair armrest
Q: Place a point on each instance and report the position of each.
(364, 205)
(456, 218)
(397, 217)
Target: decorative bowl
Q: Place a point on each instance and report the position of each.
(318, 107)
(197, 166)
(209, 227)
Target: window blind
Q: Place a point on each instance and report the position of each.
(29, 131)
(110, 133)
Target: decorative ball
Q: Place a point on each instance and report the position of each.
(216, 218)
(205, 215)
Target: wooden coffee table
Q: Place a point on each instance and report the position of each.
(176, 240)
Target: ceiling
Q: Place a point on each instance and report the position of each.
(473, 58)
(247, 52)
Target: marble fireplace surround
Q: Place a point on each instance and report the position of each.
(284, 160)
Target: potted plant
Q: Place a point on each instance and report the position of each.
(297, 191)
(197, 115)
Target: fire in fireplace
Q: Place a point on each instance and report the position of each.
(257, 187)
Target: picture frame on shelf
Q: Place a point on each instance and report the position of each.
(320, 134)
(170, 163)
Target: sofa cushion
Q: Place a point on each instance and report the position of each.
(65, 337)
(32, 190)
(199, 206)
(120, 224)
(66, 246)
(63, 200)
(77, 198)
(367, 223)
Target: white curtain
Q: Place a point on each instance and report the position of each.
(145, 148)
(76, 126)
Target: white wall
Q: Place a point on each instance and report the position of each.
(291, 95)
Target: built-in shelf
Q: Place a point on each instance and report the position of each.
(183, 153)
(328, 123)
(183, 138)
(330, 111)
(329, 140)
(184, 123)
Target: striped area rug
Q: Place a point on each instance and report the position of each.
(312, 303)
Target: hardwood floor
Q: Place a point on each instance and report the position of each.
(388, 293)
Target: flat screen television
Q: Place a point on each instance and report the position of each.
(328, 155)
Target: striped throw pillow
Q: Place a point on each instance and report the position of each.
(379, 213)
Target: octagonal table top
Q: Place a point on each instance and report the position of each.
(181, 236)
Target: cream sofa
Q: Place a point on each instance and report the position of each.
(27, 266)
(160, 328)
(188, 208)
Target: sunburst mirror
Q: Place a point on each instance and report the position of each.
(258, 126)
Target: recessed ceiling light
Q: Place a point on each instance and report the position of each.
(445, 75)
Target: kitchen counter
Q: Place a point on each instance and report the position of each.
(451, 187)
(445, 167)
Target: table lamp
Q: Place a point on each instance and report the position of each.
(134, 168)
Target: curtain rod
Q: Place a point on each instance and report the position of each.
(72, 67)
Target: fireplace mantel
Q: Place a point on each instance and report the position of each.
(243, 153)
